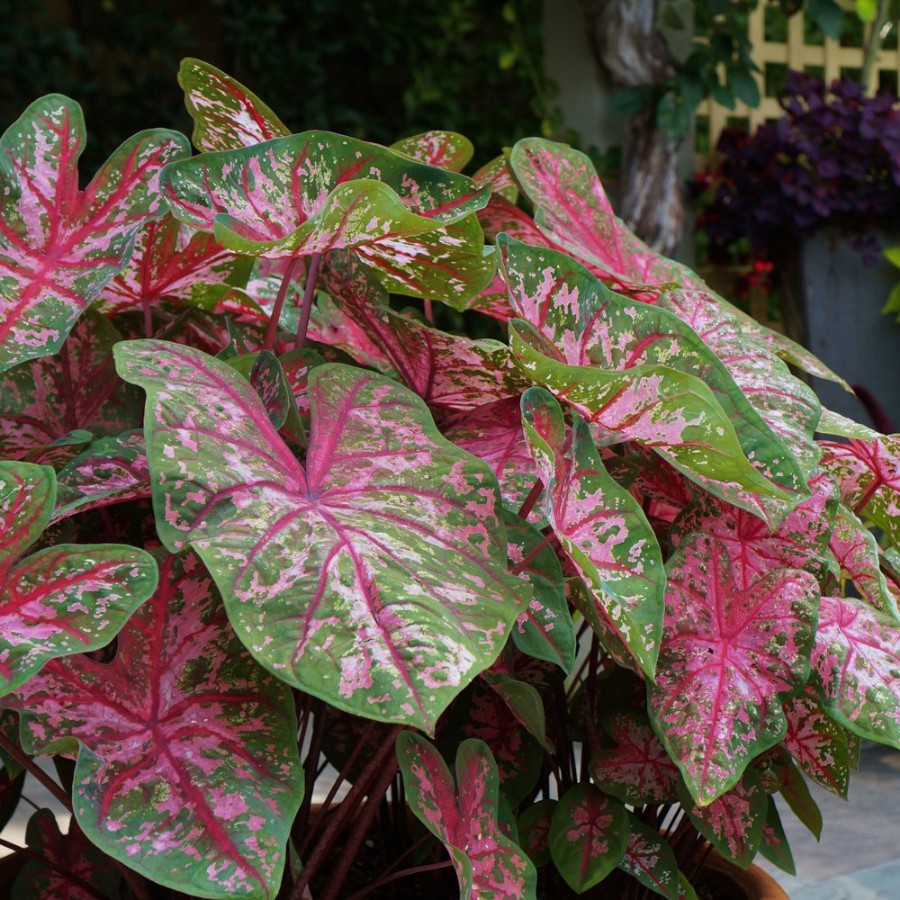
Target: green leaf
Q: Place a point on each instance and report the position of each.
(866, 10)
(828, 15)
(743, 85)
(775, 847)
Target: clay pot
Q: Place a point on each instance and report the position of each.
(736, 883)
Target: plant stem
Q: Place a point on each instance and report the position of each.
(532, 553)
(272, 328)
(404, 873)
(429, 311)
(148, 317)
(312, 276)
(873, 43)
(68, 874)
(30, 766)
(531, 499)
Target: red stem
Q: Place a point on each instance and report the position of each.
(148, 317)
(30, 766)
(531, 499)
(429, 312)
(312, 276)
(272, 328)
(404, 873)
(535, 550)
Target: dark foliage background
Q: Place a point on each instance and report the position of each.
(375, 69)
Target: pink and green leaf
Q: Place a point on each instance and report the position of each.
(464, 817)
(72, 853)
(642, 374)
(600, 526)
(733, 823)
(588, 836)
(324, 570)
(226, 115)
(729, 657)
(534, 831)
(545, 629)
(497, 175)
(856, 661)
(774, 845)
(187, 770)
(650, 860)
(27, 494)
(637, 770)
(60, 246)
(444, 149)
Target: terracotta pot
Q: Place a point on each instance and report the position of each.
(736, 883)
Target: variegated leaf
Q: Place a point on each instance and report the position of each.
(188, 769)
(642, 374)
(334, 574)
(464, 817)
(856, 660)
(818, 743)
(650, 860)
(226, 115)
(313, 192)
(856, 552)
(59, 246)
(588, 836)
(70, 598)
(729, 656)
(774, 845)
(111, 470)
(444, 149)
(545, 629)
(868, 473)
(600, 526)
(497, 175)
(637, 770)
(733, 823)
(534, 831)
(46, 399)
(80, 865)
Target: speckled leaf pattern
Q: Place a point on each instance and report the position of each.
(334, 574)
(65, 599)
(45, 399)
(226, 115)
(588, 836)
(463, 816)
(72, 852)
(188, 769)
(818, 743)
(330, 325)
(545, 629)
(856, 551)
(313, 192)
(169, 261)
(640, 373)
(111, 470)
(733, 823)
(60, 246)
(534, 830)
(449, 372)
(498, 176)
(637, 770)
(868, 473)
(650, 860)
(774, 845)
(600, 526)
(800, 541)
(444, 149)
(856, 660)
(729, 657)
(493, 432)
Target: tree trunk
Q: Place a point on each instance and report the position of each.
(628, 45)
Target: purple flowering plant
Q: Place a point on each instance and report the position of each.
(307, 596)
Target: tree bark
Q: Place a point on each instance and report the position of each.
(629, 46)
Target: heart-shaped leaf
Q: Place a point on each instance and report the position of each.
(733, 823)
(334, 575)
(444, 149)
(111, 470)
(545, 629)
(81, 871)
(188, 769)
(588, 836)
(45, 399)
(497, 175)
(59, 246)
(818, 743)
(642, 374)
(774, 845)
(315, 191)
(533, 826)
(464, 817)
(857, 663)
(637, 770)
(601, 527)
(729, 657)
(226, 115)
(650, 860)
(70, 598)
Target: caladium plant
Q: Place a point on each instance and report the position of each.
(561, 608)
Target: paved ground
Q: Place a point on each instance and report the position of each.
(858, 857)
